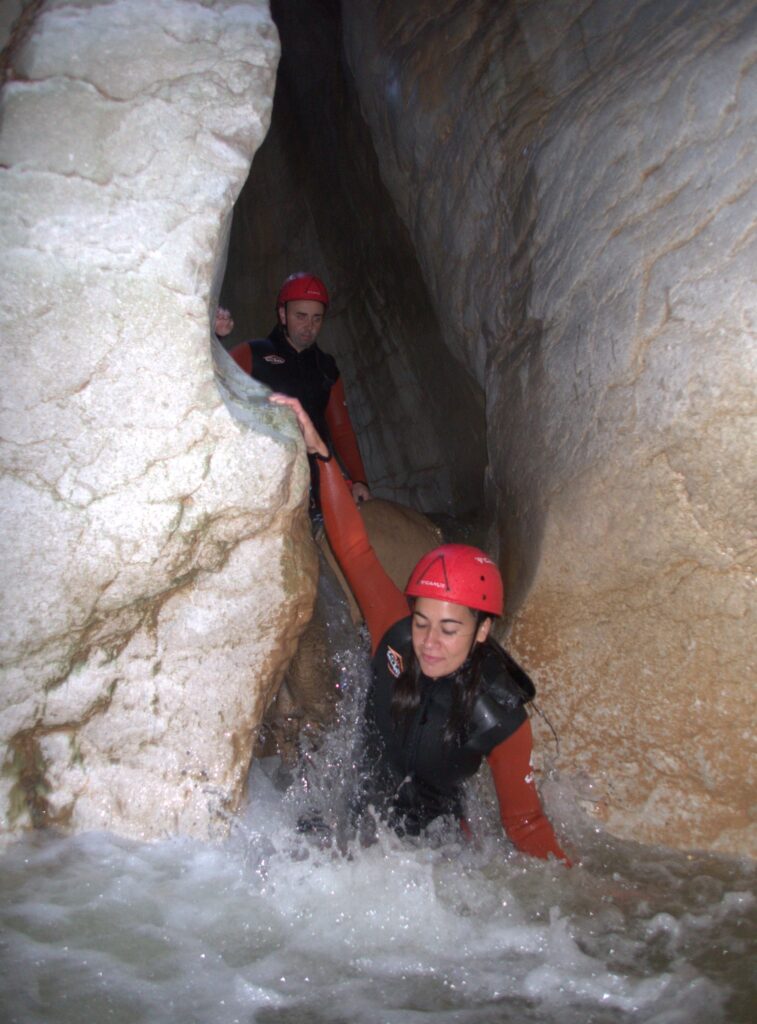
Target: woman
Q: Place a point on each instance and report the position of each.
(445, 694)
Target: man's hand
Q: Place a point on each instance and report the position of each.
(224, 323)
(360, 492)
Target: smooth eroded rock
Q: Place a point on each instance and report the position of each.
(144, 525)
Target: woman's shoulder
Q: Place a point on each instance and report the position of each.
(394, 647)
(498, 710)
(504, 679)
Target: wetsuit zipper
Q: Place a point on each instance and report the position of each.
(411, 761)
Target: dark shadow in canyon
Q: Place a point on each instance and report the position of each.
(314, 200)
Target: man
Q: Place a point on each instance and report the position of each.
(289, 361)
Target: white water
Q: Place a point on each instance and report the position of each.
(273, 928)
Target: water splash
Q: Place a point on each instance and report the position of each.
(276, 926)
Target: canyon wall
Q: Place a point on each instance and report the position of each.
(143, 526)
(537, 223)
(315, 200)
(579, 183)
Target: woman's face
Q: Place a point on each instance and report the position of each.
(443, 634)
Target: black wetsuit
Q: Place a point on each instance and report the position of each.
(410, 775)
(308, 375)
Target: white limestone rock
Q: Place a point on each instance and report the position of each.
(155, 558)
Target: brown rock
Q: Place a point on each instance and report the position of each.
(306, 701)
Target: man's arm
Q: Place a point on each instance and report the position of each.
(242, 356)
(343, 438)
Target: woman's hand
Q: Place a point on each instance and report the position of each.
(313, 440)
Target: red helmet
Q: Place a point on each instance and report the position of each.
(303, 286)
(460, 574)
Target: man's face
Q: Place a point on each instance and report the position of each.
(302, 321)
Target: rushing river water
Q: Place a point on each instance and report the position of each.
(277, 927)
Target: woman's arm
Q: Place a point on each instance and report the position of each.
(381, 602)
(520, 809)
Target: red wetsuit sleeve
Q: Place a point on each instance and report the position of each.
(381, 602)
(242, 356)
(343, 434)
(520, 809)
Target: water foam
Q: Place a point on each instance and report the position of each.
(275, 926)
